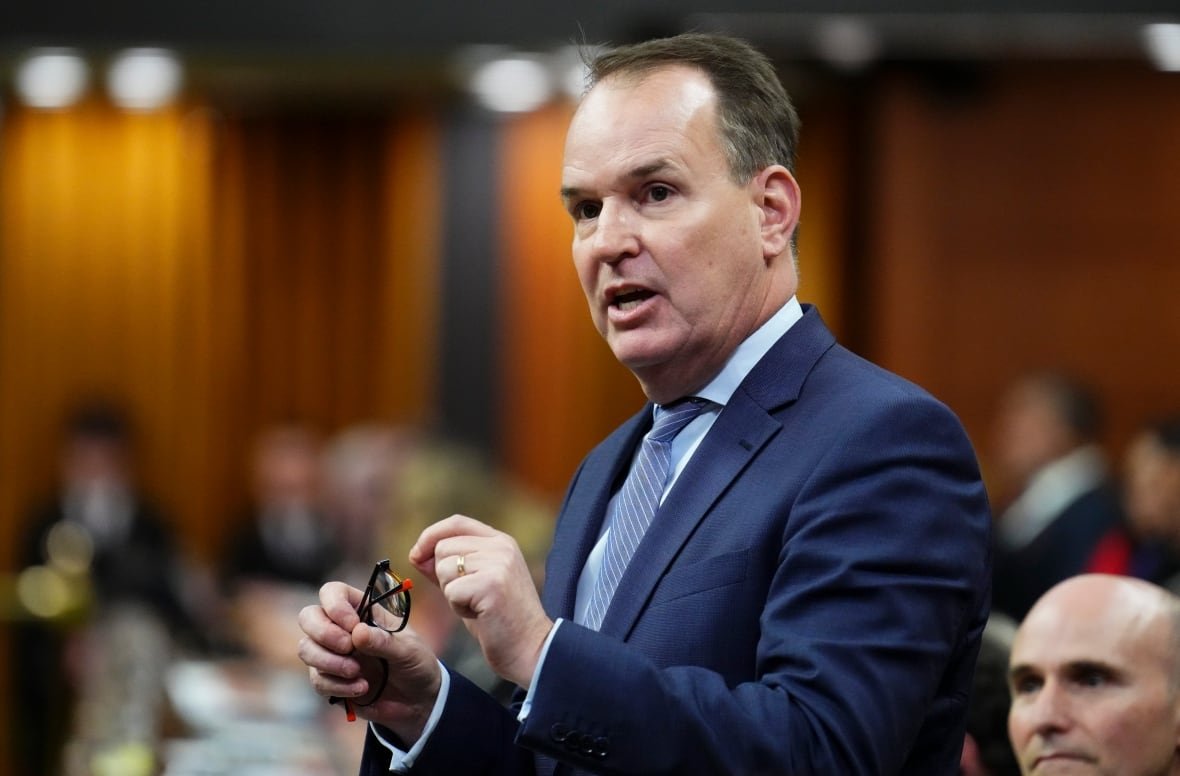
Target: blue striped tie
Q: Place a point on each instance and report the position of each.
(638, 500)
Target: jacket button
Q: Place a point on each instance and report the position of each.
(559, 733)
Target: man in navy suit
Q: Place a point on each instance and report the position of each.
(810, 595)
(1047, 445)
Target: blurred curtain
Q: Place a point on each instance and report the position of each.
(106, 287)
(217, 274)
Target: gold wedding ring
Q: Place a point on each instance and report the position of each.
(461, 565)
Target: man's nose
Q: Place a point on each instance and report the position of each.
(1050, 711)
(616, 235)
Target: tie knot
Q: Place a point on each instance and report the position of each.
(672, 418)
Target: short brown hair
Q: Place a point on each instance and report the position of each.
(758, 123)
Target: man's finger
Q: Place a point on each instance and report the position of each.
(339, 601)
(377, 642)
(322, 629)
(326, 662)
(455, 525)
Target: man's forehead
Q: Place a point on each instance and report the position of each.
(1054, 640)
(627, 134)
(666, 96)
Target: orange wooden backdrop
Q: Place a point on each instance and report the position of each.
(1026, 221)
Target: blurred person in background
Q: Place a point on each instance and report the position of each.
(986, 748)
(112, 548)
(283, 535)
(1147, 543)
(282, 547)
(1047, 454)
(360, 464)
(1095, 680)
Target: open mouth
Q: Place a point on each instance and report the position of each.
(629, 300)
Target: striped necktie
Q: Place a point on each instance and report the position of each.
(638, 500)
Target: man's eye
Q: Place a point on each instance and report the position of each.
(659, 193)
(1092, 678)
(1026, 685)
(585, 210)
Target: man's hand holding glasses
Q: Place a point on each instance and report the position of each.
(385, 604)
(359, 652)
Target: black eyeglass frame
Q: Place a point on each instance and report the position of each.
(364, 610)
(371, 597)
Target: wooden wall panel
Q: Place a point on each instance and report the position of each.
(564, 389)
(329, 227)
(1029, 220)
(311, 245)
(825, 235)
(102, 282)
(406, 370)
(218, 274)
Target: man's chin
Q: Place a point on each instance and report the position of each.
(639, 354)
(663, 383)
(1063, 765)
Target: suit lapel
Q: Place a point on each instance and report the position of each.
(736, 436)
(740, 431)
(584, 511)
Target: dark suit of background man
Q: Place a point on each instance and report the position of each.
(1047, 431)
(810, 595)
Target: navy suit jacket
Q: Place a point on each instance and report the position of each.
(808, 600)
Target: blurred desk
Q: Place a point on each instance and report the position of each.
(144, 711)
(244, 718)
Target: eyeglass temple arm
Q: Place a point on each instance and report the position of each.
(405, 586)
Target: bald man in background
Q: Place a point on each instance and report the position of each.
(1095, 680)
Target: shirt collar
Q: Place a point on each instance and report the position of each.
(1050, 491)
(741, 362)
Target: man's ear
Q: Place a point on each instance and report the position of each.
(779, 200)
(970, 762)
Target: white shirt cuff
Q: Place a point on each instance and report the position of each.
(528, 698)
(401, 761)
